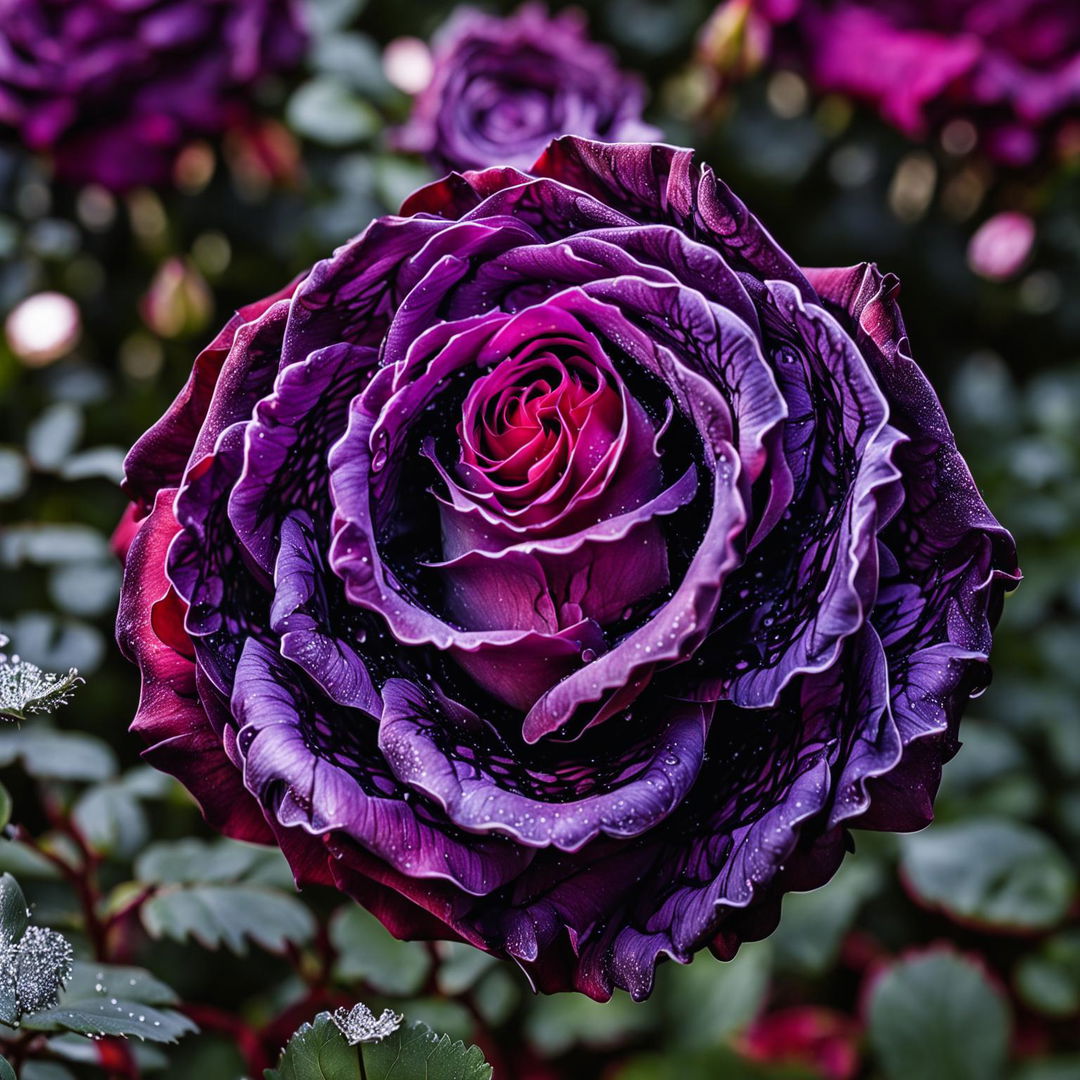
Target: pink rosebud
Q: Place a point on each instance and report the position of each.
(178, 300)
(736, 40)
(1001, 245)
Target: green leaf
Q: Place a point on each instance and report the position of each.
(557, 1022)
(111, 820)
(318, 1051)
(814, 923)
(329, 16)
(1061, 1068)
(228, 915)
(328, 112)
(442, 1015)
(57, 755)
(13, 917)
(26, 862)
(191, 862)
(460, 966)
(995, 873)
(718, 1064)
(102, 999)
(936, 1016)
(1049, 980)
(708, 1001)
(6, 1071)
(416, 1051)
(368, 952)
(354, 59)
(5, 806)
(46, 1070)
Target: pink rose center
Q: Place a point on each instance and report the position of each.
(540, 423)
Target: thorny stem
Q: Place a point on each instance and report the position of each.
(82, 878)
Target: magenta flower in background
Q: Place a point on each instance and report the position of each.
(1000, 246)
(502, 88)
(113, 89)
(560, 568)
(1009, 67)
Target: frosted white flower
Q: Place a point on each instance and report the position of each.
(42, 967)
(360, 1025)
(25, 689)
(37, 968)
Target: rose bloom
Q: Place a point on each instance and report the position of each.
(503, 87)
(1010, 67)
(560, 568)
(113, 89)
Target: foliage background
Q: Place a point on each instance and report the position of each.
(951, 954)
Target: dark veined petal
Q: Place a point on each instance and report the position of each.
(482, 794)
(317, 765)
(171, 721)
(562, 570)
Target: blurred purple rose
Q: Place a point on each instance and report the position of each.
(1010, 67)
(113, 89)
(502, 88)
(559, 568)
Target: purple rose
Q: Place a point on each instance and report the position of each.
(504, 87)
(1009, 67)
(113, 89)
(561, 569)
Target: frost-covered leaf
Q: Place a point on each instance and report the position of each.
(102, 1000)
(229, 915)
(360, 1025)
(26, 690)
(40, 964)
